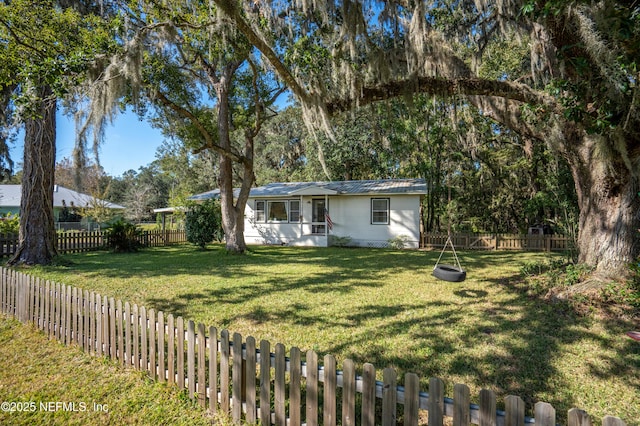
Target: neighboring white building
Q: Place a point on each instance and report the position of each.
(10, 196)
(369, 213)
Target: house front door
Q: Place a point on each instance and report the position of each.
(318, 225)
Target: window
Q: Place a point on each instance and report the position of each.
(259, 215)
(379, 211)
(277, 211)
(294, 211)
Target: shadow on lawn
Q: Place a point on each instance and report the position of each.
(517, 344)
(512, 346)
(321, 271)
(216, 263)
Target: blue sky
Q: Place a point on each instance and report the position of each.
(129, 143)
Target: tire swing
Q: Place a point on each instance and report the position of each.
(452, 273)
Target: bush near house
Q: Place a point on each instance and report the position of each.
(204, 223)
(9, 224)
(123, 236)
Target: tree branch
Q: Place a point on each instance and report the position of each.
(209, 141)
(235, 15)
(449, 87)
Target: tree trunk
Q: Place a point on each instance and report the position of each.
(37, 243)
(232, 216)
(608, 237)
(606, 186)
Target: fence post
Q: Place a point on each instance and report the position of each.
(279, 385)
(577, 417)
(202, 350)
(295, 402)
(162, 371)
(42, 298)
(461, 399)
(180, 350)
(113, 336)
(436, 402)
(368, 395)
(487, 408)
(250, 382)
(144, 349)
(389, 397)
(236, 379)
(2, 289)
(152, 343)
(127, 359)
(514, 411)
(612, 421)
(348, 393)
(135, 321)
(330, 382)
(22, 296)
(99, 327)
(411, 399)
(265, 382)
(213, 370)
(77, 315)
(191, 358)
(312, 389)
(171, 350)
(224, 371)
(545, 414)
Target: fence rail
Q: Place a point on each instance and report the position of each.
(250, 382)
(75, 242)
(499, 241)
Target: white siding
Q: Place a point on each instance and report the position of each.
(351, 216)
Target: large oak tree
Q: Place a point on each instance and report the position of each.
(47, 47)
(204, 80)
(580, 96)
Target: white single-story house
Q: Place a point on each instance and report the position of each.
(10, 196)
(367, 213)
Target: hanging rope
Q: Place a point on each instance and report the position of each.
(455, 255)
(453, 273)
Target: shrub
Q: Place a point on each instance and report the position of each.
(9, 224)
(337, 241)
(398, 242)
(203, 223)
(123, 236)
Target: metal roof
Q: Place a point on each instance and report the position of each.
(351, 187)
(10, 196)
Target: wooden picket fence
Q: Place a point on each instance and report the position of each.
(76, 242)
(468, 241)
(249, 382)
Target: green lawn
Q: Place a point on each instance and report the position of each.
(43, 382)
(384, 307)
